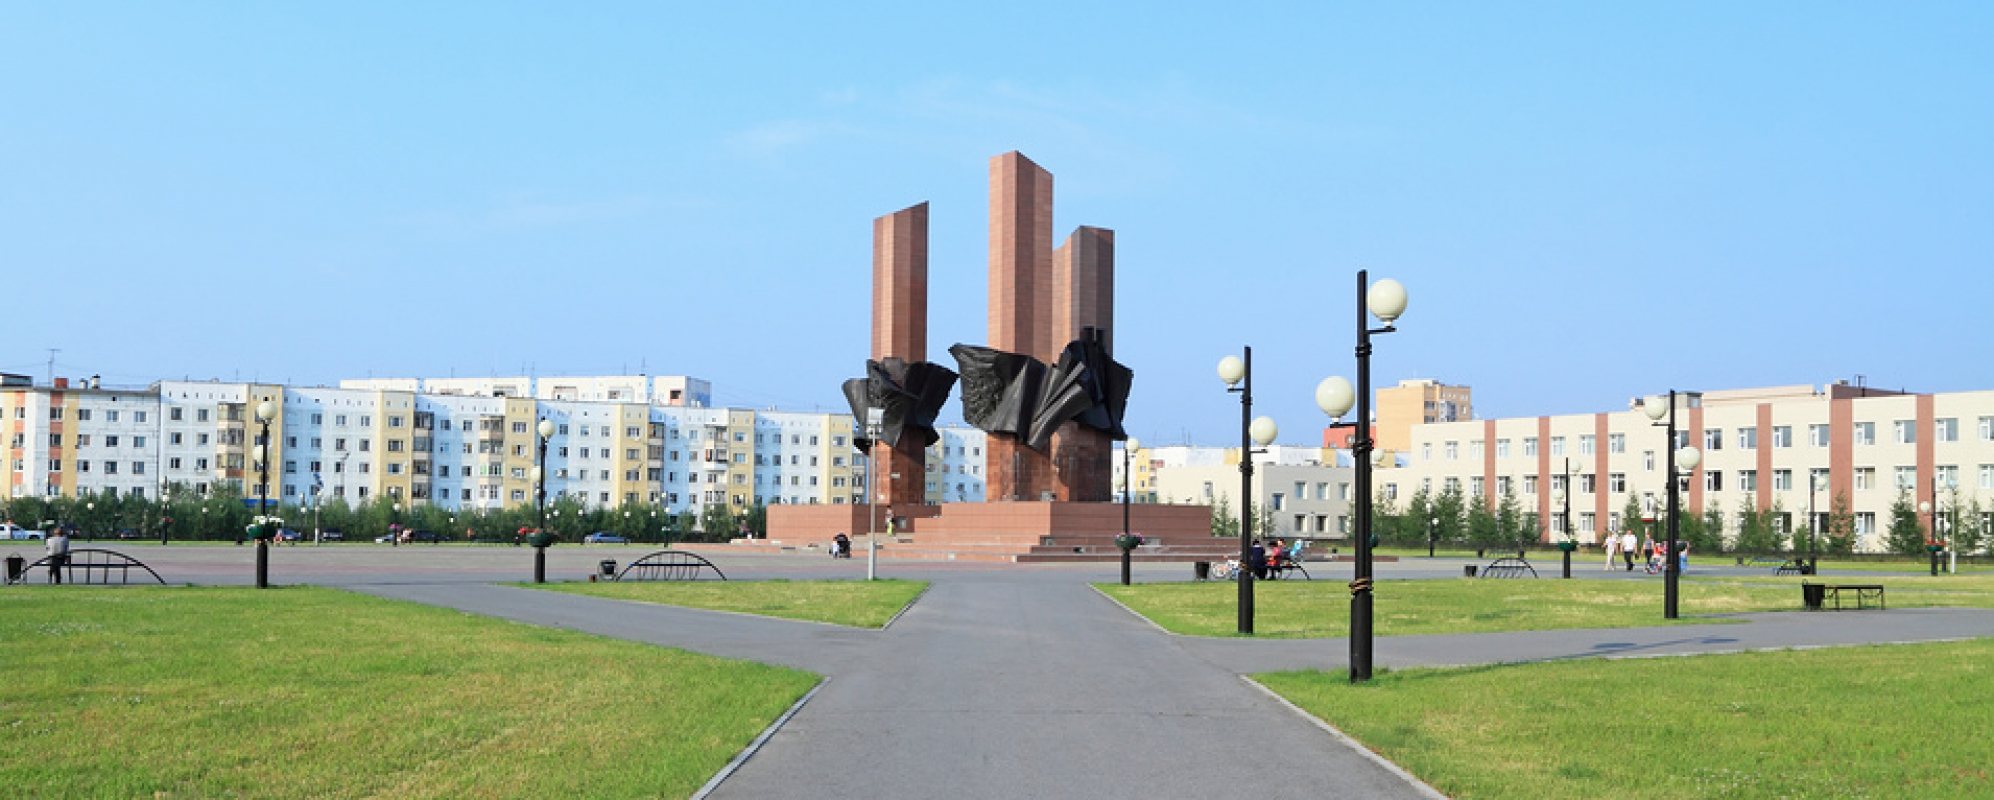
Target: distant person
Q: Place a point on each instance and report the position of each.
(841, 546)
(1612, 549)
(1256, 560)
(1627, 548)
(57, 545)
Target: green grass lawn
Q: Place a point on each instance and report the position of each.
(860, 604)
(1879, 721)
(1305, 609)
(303, 692)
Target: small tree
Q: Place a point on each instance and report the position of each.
(1969, 530)
(1224, 524)
(1630, 516)
(1511, 525)
(1841, 534)
(717, 522)
(1451, 510)
(1482, 528)
(1905, 536)
(1756, 533)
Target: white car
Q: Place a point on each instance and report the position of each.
(11, 531)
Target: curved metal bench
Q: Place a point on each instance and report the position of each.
(669, 565)
(95, 563)
(1508, 568)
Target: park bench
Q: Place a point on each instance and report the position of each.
(1281, 569)
(1797, 566)
(1815, 596)
(95, 565)
(1508, 568)
(669, 565)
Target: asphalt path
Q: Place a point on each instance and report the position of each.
(1019, 680)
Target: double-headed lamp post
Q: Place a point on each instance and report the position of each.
(1128, 447)
(1238, 377)
(1385, 300)
(1662, 411)
(265, 411)
(546, 431)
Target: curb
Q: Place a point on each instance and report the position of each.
(909, 607)
(756, 745)
(1417, 785)
(1145, 620)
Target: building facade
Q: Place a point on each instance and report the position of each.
(1761, 450)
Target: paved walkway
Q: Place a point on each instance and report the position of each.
(1009, 683)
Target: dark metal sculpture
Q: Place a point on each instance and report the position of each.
(1015, 394)
(911, 394)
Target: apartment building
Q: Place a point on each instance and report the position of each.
(1761, 449)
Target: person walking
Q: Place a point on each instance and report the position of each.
(58, 553)
(1612, 548)
(1627, 548)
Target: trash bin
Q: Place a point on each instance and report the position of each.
(1810, 595)
(1467, 570)
(1202, 570)
(607, 568)
(17, 565)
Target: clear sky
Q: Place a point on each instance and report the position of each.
(1586, 201)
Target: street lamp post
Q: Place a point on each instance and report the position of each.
(1671, 564)
(1386, 300)
(1238, 377)
(1814, 487)
(875, 424)
(1128, 447)
(265, 411)
(395, 525)
(1565, 518)
(1432, 535)
(541, 539)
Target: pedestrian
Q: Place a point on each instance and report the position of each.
(1256, 560)
(1612, 548)
(1627, 548)
(57, 545)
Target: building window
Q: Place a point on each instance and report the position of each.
(1557, 446)
(1529, 446)
(1502, 448)
(1865, 433)
(1529, 484)
(1817, 435)
(1588, 444)
(1906, 431)
(1748, 438)
(1616, 443)
(1713, 480)
(1782, 436)
(1748, 480)
(1907, 478)
(1945, 430)
(1453, 449)
(1713, 439)
(1865, 478)
(1616, 482)
(1782, 480)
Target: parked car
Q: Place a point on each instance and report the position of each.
(12, 531)
(332, 535)
(129, 534)
(410, 537)
(286, 535)
(604, 537)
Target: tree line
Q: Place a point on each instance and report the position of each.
(1454, 520)
(222, 515)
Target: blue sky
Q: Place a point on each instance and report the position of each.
(1586, 201)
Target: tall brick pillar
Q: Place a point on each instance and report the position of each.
(1083, 300)
(1020, 299)
(900, 330)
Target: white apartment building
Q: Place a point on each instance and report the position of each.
(661, 390)
(1761, 449)
(1303, 491)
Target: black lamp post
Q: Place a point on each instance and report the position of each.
(1671, 563)
(1386, 300)
(540, 536)
(1238, 377)
(265, 411)
(1432, 534)
(1565, 519)
(1128, 447)
(1813, 522)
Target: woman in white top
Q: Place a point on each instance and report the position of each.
(1612, 549)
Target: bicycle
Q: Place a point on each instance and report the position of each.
(1226, 570)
